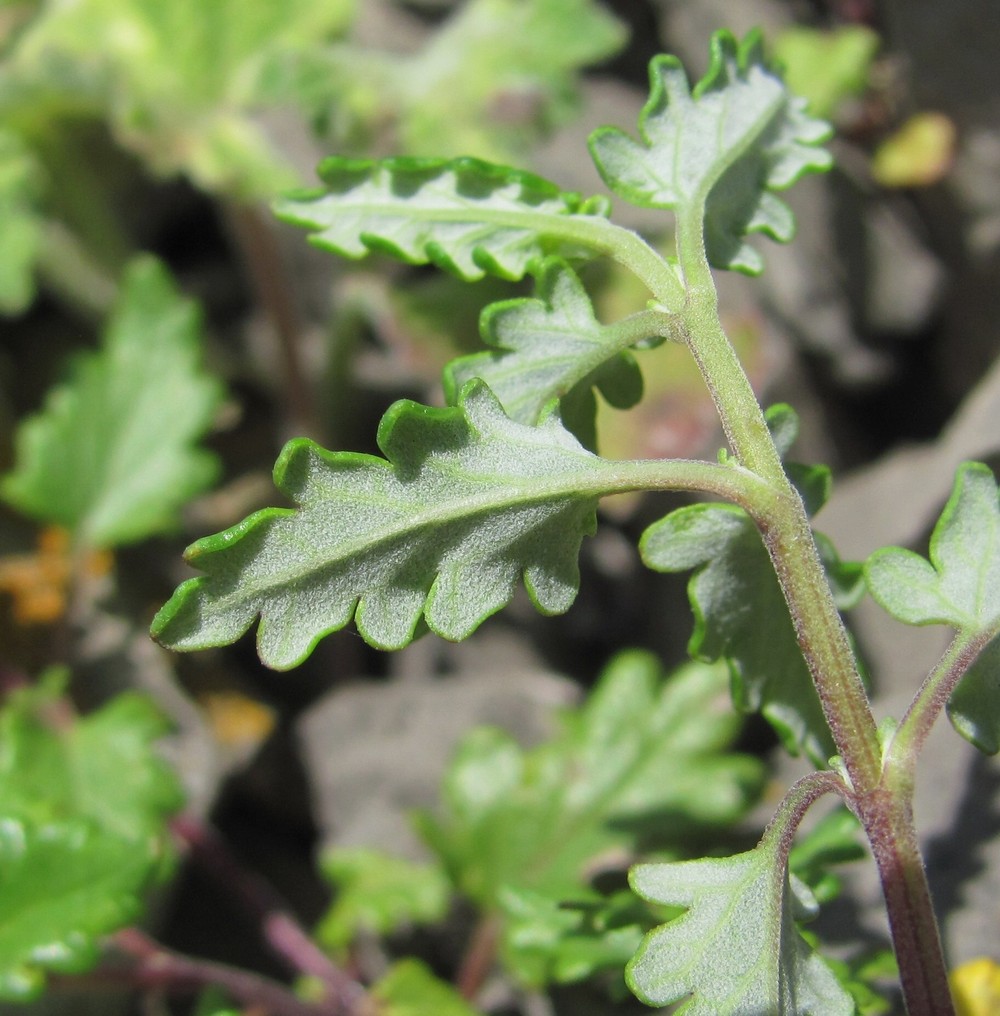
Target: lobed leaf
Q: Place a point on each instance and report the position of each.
(111, 456)
(740, 612)
(467, 503)
(736, 949)
(465, 216)
(719, 150)
(959, 586)
(551, 347)
(647, 759)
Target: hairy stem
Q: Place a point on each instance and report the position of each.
(888, 822)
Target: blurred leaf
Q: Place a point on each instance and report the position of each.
(62, 887)
(377, 893)
(919, 154)
(645, 759)
(410, 989)
(103, 767)
(959, 586)
(20, 223)
(465, 504)
(178, 79)
(832, 841)
(499, 75)
(826, 67)
(742, 909)
(110, 456)
(465, 216)
(717, 151)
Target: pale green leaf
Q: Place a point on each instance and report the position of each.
(735, 951)
(111, 456)
(466, 216)
(467, 503)
(959, 586)
(740, 612)
(552, 347)
(377, 893)
(718, 151)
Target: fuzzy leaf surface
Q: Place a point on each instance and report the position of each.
(378, 893)
(551, 346)
(958, 586)
(466, 216)
(719, 150)
(736, 950)
(465, 503)
(111, 457)
(63, 886)
(645, 759)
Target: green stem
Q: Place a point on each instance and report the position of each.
(902, 753)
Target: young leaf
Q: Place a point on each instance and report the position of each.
(719, 151)
(111, 456)
(62, 887)
(465, 216)
(645, 759)
(467, 502)
(552, 347)
(959, 586)
(378, 893)
(742, 909)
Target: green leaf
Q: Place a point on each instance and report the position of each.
(378, 893)
(736, 950)
(551, 347)
(719, 151)
(646, 759)
(111, 456)
(959, 586)
(466, 216)
(467, 503)
(62, 887)
(827, 67)
(103, 768)
(832, 841)
(499, 75)
(179, 81)
(409, 988)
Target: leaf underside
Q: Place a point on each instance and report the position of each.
(550, 347)
(958, 586)
(736, 949)
(468, 217)
(467, 503)
(719, 150)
